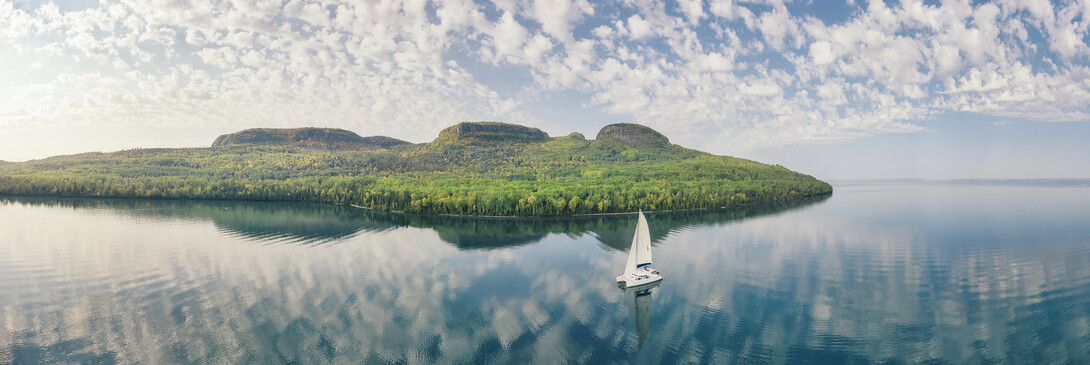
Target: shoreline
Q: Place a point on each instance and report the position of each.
(583, 214)
(421, 214)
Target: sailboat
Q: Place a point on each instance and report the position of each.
(638, 270)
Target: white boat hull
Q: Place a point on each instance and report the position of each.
(640, 277)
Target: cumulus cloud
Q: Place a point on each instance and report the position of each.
(822, 53)
(374, 68)
(712, 74)
(557, 16)
(638, 28)
(509, 35)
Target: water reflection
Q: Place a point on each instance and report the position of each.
(320, 223)
(266, 221)
(613, 231)
(876, 274)
(638, 300)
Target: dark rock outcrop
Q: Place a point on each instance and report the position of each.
(632, 135)
(491, 132)
(331, 138)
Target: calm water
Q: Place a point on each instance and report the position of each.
(876, 273)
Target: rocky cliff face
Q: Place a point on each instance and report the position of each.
(632, 135)
(490, 132)
(307, 137)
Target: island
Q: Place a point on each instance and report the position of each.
(472, 168)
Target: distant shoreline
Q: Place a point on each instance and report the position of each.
(1042, 182)
(593, 214)
(15, 197)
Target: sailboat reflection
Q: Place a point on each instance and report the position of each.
(639, 306)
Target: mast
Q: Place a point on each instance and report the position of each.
(642, 242)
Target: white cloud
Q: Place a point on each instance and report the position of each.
(52, 49)
(373, 78)
(509, 35)
(693, 10)
(91, 46)
(638, 28)
(716, 62)
(760, 89)
(603, 31)
(195, 37)
(240, 40)
(222, 57)
(775, 26)
(313, 13)
(822, 53)
(946, 59)
(537, 48)
(750, 75)
(1066, 42)
(832, 93)
(162, 35)
(556, 16)
(728, 10)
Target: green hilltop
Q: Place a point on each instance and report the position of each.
(477, 168)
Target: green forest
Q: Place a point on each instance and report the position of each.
(471, 169)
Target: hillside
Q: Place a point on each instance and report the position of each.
(470, 169)
(323, 138)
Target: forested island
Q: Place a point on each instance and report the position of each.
(478, 168)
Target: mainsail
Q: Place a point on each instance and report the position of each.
(640, 253)
(643, 238)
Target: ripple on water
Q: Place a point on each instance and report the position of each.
(827, 285)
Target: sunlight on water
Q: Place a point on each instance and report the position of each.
(876, 273)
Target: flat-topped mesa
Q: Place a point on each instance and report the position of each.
(491, 132)
(306, 137)
(633, 135)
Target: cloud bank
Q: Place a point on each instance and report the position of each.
(724, 75)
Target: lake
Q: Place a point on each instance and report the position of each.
(878, 272)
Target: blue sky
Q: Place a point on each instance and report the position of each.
(838, 89)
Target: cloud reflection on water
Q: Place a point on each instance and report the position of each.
(832, 282)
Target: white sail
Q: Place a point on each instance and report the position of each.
(641, 243)
(639, 256)
(633, 252)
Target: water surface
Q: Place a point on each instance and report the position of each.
(876, 273)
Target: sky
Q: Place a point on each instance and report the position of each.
(837, 89)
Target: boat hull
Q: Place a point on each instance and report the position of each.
(630, 281)
(640, 290)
